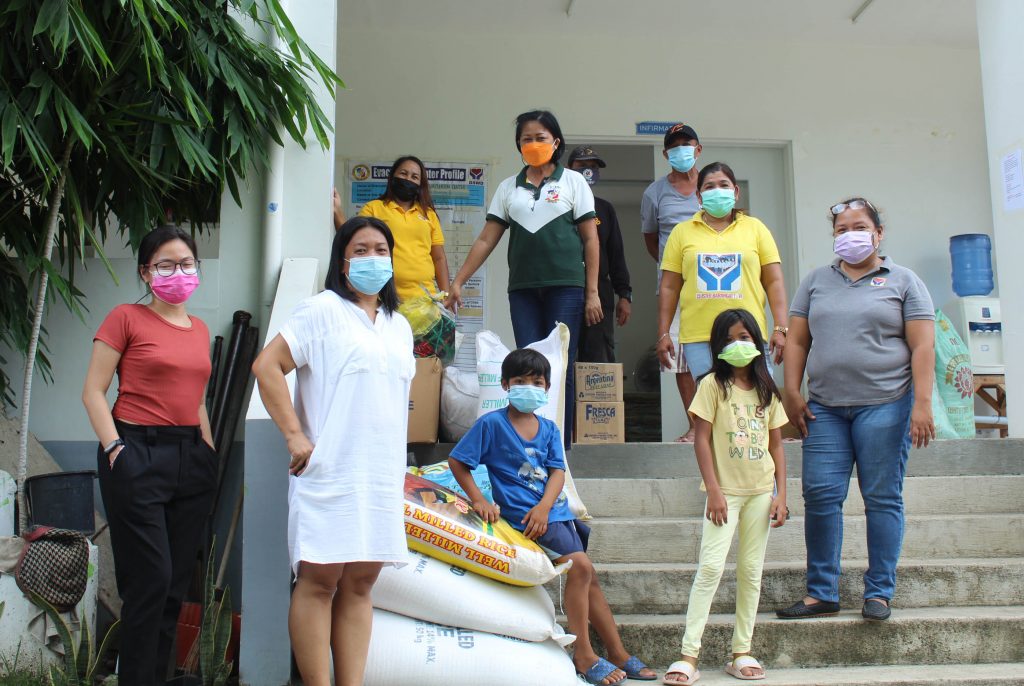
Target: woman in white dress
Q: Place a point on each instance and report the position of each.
(352, 353)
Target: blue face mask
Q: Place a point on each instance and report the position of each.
(527, 398)
(682, 158)
(369, 274)
(718, 201)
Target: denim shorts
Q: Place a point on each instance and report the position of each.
(565, 538)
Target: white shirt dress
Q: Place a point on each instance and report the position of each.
(352, 399)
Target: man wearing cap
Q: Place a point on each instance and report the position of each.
(666, 202)
(597, 342)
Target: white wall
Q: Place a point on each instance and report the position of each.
(902, 126)
(1002, 54)
(227, 283)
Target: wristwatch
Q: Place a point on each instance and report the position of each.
(112, 446)
(626, 295)
(784, 330)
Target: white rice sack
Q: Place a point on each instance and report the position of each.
(437, 592)
(460, 399)
(406, 651)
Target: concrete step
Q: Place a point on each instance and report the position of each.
(997, 674)
(683, 497)
(623, 539)
(953, 636)
(673, 460)
(665, 588)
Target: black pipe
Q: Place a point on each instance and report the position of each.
(239, 323)
(233, 404)
(211, 385)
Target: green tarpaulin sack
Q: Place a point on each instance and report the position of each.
(953, 395)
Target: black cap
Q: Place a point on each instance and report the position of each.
(583, 153)
(684, 131)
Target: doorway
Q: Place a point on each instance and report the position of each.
(763, 172)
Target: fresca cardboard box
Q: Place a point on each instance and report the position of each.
(600, 422)
(601, 382)
(425, 401)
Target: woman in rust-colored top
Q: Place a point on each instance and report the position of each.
(157, 467)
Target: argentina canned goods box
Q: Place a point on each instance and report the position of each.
(598, 422)
(599, 381)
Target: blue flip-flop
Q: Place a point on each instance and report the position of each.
(600, 671)
(633, 667)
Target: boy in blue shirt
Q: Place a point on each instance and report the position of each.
(524, 458)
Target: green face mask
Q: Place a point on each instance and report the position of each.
(718, 201)
(739, 353)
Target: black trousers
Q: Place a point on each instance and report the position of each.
(597, 342)
(157, 496)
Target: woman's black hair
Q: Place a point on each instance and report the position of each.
(876, 217)
(548, 121)
(723, 371)
(425, 200)
(709, 169)
(152, 241)
(337, 281)
(525, 362)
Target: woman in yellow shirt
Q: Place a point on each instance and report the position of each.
(720, 259)
(420, 263)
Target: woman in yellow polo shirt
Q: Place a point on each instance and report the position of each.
(421, 266)
(719, 259)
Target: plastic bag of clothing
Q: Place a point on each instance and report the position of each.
(433, 328)
(438, 592)
(441, 473)
(442, 524)
(953, 393)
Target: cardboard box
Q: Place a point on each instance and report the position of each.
(600, 422)
(425, 401)
(599, 382)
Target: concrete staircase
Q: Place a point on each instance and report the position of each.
(958, 615)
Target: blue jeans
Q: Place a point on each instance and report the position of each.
(876, 439)
(534, 313)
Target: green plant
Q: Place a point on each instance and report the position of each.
(115, 114)
(80, 660)
(11, 674)
(209, 652)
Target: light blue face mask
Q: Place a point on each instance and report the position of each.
(369, 274)
(682, 158)
(527, 398)
(718, 201)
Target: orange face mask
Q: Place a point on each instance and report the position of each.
(536, 154)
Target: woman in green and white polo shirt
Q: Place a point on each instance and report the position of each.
(553, 247)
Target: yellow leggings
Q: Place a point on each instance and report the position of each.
(748, 513)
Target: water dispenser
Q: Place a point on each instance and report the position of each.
(978, 321)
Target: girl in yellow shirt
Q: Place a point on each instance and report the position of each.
(738, 419)
(420, 263)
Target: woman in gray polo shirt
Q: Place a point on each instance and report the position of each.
(863, 328)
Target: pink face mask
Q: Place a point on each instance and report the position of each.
(853, 247)
(176, 288)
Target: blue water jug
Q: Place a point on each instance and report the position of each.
(971, 254)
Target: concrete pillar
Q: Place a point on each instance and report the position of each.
(297, 224)
(1002, 75)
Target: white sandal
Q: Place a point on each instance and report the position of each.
(735, 668)
(686, 669)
